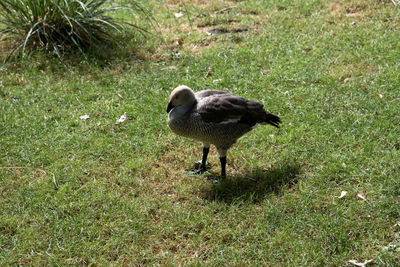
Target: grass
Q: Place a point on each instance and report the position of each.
(89, 192)
(61, 26)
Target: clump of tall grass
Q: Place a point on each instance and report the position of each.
(61, 25)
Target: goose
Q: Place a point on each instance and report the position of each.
(214, 117)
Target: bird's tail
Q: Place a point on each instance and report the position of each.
(272, 119)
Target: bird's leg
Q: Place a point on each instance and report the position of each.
(222, 159)
(203, 164)
(223, 166)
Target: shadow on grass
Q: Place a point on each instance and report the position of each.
(255, 186)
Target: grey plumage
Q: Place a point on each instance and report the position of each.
(214, 117)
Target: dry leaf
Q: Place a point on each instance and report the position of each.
(397, 224)
(224, 9)
(208, 72)
(121, 119)
(355, 14)
(170, 68)
(360, 197)
(342, 194)
(84, 117)
(346, 80)
(178, 15)
(361, 264)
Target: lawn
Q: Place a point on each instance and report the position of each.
(95, 192)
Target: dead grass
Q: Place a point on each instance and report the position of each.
(355, 9)
(24, 175)
(191, 33)
(210, 5)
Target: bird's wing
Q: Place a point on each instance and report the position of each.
(219, 107)
(206, 93)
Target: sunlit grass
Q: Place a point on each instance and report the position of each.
(83, 192)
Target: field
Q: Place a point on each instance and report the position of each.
(78, 191)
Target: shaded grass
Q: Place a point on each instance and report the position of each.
(64, 26)
(253, 187)
(91, 192)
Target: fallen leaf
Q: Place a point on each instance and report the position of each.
(178, 15)
(84, 117)
(346, 80)
(179, 42)
(397, 224)
(208, 72)
(361, 264)
(342, 194)
(170, 68)
(360, 197)
(355, 14)
(121, 119)
(224, 9)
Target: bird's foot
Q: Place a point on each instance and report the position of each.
(214, 180)
(195, 171)
(198, 169)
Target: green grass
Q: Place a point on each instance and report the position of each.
(91, 192)
(60, 26)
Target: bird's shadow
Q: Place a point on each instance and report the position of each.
(254, 186)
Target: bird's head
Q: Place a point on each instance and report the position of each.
(181, 96)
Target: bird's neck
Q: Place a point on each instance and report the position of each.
(180, 111)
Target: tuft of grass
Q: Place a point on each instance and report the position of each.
(61, 25)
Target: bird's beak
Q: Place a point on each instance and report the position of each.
(170, 106)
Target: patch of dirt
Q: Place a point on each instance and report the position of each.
(194, 34)
(203, 3)
(352, 9)
(222, 31)
(23, 176)
(205, 43)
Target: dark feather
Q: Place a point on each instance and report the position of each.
(219, 106)
(206, 93)
(272, 119)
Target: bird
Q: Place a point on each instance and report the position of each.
(214, 117)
